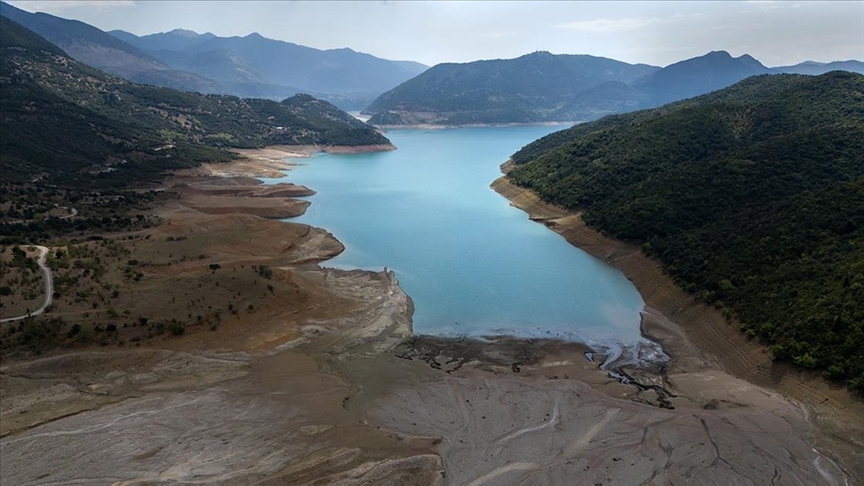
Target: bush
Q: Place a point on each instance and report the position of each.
(176, 328)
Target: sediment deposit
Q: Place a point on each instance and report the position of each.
(320, 381)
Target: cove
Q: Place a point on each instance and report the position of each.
(473, 264)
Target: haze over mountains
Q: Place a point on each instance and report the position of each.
(530, 88)
(67, 123)
(537, 87)
(254, 65)
(542, 87)
(250, 66)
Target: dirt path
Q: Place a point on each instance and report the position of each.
(49, 288)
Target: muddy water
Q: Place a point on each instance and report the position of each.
(473, 264)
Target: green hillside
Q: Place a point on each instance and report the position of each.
(532, 88)
(752, 197)
(70, 124)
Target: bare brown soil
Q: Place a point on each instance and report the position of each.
(309, 375)
(241, 396)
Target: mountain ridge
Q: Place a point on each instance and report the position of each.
(342, 73)
(72, 124)
(343, 76)
(91, 46)
(524, 89)
(448, 94)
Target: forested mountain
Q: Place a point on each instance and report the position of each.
(717, 70)
(542, 87)
(71, 124)
(93, 47)
(526, 89)
(751, 196)
(250, 66)
(700, 75)
(256, 65)
(816, 68)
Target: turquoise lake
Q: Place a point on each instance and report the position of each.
(473, 264)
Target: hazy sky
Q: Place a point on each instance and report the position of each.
(659, 33)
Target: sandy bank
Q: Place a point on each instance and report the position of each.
(700, 340)
(231, 187)
(431, 126)
(270, 161)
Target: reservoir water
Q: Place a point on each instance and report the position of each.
(473, 264)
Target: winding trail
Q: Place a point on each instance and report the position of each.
(49, 288)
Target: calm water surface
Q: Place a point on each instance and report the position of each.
(473, 264)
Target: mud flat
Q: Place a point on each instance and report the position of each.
(321, 381)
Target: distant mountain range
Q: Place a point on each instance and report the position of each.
(253, 64)
(538, 87)
(250, 66)
(542, 87)
(699, 75)
(66, 123)
(532, 88)
(93, 47)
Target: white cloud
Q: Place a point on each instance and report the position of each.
(608, 25)
(55, 6)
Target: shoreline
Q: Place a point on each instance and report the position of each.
(332, 385)
(269, 161)
(698, 338)
(612, 357)
(432, 126)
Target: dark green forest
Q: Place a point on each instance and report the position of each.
(68, 124)
(532, 88)
(752, 197)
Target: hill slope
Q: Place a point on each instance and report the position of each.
(752, 197)
(699, 75)
(541, 87)
(253, 62)
(93, 47)
(70, 124)
(526, 89)
(816, 68)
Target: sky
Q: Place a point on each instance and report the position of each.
(659, 33)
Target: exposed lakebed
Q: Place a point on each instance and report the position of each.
(473, 264)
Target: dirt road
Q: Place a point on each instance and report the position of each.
(49, 288)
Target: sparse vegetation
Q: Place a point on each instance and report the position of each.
(76, 147)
